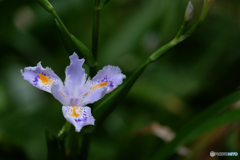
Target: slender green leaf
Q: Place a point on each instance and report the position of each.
(225, 118)
(66, 40)
(46, 5)
(191, 129)
(64, 131)
(109, 103)
(54, 149)
(123, 40)
(72, 44)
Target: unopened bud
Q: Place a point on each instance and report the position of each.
(189, 12)
(46, 5)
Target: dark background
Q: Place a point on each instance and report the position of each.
(171, 91)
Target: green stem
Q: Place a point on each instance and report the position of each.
(55, 15)
(85, 146)
(95, 29)
(163, 50)
(64, 131)
(181, 30)
(93, 71)
(76, 45)
(203, 15)
(180, 36)
(102, 110)
(205, 9)
(191, 31)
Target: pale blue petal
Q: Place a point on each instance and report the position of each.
(61, 94)
(92, 92)
(40, 77)
(78, 116)
(75, 75)
(110, 74)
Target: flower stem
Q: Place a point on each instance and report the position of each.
(180, 35)
(93, 71)
(71, 43)
(181, 30)
(64, 131)
(55, 15)
(95, 28)
(85, 146)
(103, 109)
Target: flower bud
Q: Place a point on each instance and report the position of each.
(189, 12)
(46, 5)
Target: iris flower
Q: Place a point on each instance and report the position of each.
(77, 91)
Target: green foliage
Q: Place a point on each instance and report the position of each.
(72, 44)
(55, 149)
(173, 91)
(46, 5)
(109, 103)
(203, 122)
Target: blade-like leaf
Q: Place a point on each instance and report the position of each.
(109, 103)
(66, 40)
(191, 129)
(54, 149)
(225, 118)
(72, 44)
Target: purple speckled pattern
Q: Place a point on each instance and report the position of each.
(35, 81)
(84, 119)
(36, 78)
(106, 79)
(111, 85)
(31, 74)
(110, 74)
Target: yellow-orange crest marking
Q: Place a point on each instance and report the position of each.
(63, 94)
(74, 112)
(96, 86)
(99, 85)
(46, 80)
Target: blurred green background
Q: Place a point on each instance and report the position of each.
(170, 92)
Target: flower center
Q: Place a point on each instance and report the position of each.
(75, 112)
